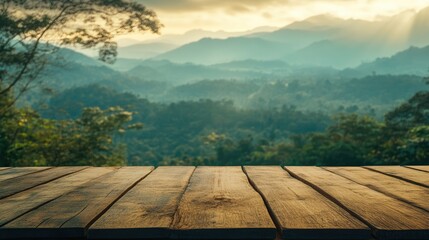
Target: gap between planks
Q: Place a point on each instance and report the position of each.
(267, 205)
(10, 173)
(423, 168)
(10, 187)
(420, 178)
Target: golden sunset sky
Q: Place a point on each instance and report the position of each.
(179, 16)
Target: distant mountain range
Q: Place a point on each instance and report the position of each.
(320, 40)
(134, 49)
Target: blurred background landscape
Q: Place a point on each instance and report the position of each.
(324, 89)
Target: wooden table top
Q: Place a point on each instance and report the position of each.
(264, 202)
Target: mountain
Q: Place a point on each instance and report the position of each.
(198, 34)
(414, 61)
(213, 51)
(145, 50)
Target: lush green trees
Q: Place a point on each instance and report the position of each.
(349, 141)
(26, 139)
(407, 132)
(217, 133)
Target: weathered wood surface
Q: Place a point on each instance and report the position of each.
(390, 186)
(407, 174)
(215, 203)
(16, 172)
(23, 202)
(147, 210)
(4, 168)
(18, 184)
(301, 212)
(70, 215)
(220, 203)
(421, 168)
(390, 218)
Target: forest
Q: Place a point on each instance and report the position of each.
(251, 98)
(95, 125)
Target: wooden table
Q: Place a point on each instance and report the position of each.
(386, 202)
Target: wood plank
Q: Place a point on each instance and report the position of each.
(18, 184)
(69, 216)
(407, 174)
(302, 212)
(389, 217)
(147, 210)
(421, 168)
(220, 203)
(16, 172)
(393, 187)
(23, 202)
(4, 168)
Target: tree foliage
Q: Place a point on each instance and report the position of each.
(27, 139)
(31, 30)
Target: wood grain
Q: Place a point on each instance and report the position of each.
(421, 168)
(23, 202)
(16, 172)
(393, 187)
(407, 174)
(301, 212)
(219, 203)
(4, 168)
(69, 216)
(18, 184)
(390, 218)
(147, 210)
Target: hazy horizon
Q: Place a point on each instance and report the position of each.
(182, 16)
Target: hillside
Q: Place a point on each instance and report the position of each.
(414, 60)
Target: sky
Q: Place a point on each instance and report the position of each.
(179, 16)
